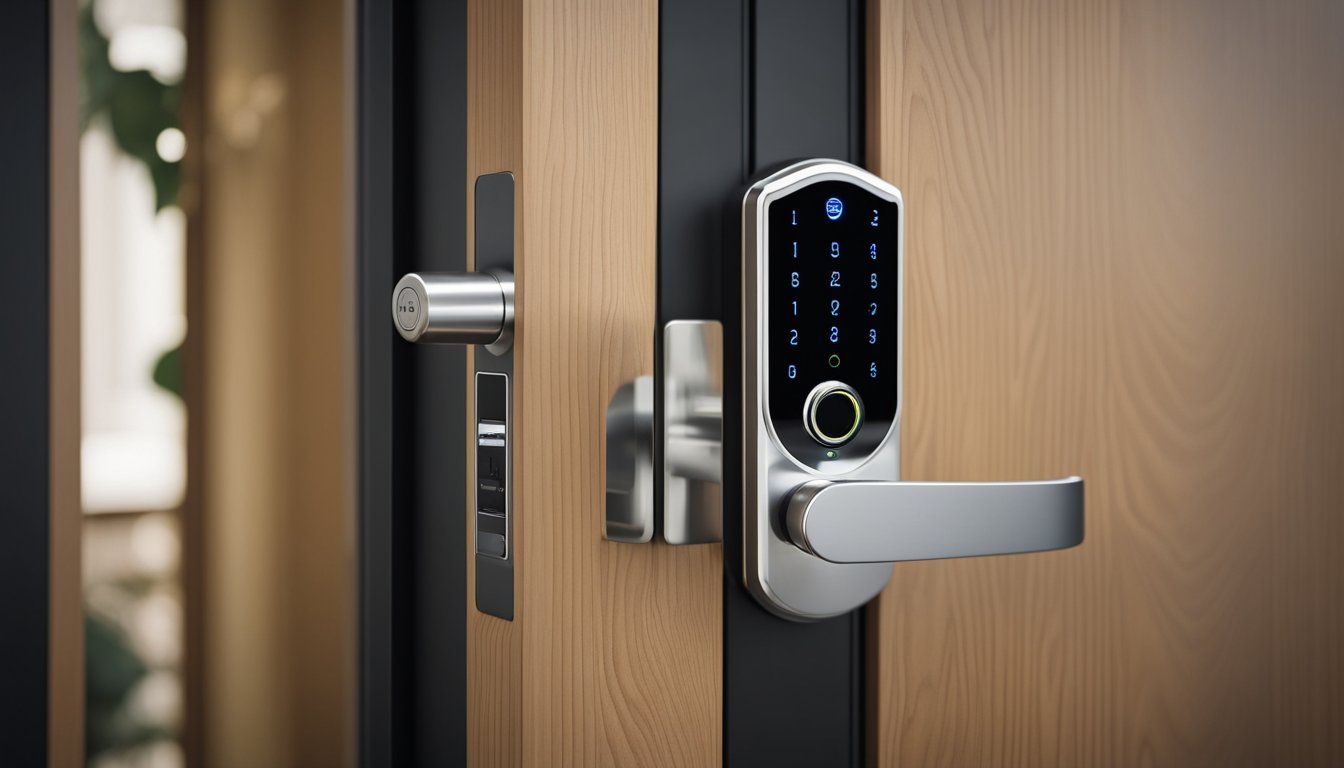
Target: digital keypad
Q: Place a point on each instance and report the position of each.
(832, 277)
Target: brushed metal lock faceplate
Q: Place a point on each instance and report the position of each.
(824, 512)
(821, 260)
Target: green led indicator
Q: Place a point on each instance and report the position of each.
(834, 361)
(831, 454)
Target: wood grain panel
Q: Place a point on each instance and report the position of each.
(1124, 253)
(615, 655)
(494, 143)
(621, 643)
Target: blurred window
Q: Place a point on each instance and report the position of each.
(133, 56)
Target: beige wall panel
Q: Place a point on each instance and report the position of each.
(319, 394)
(278, 581)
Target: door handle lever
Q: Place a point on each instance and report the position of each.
(880, 522)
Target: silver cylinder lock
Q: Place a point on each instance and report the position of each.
(456, 308)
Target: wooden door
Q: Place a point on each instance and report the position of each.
(1124, 259)
(614, 654)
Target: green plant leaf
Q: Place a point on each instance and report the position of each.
(168, 370)
(138, 108)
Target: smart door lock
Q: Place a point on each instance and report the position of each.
(824, 513)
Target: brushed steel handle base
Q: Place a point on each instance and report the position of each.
(686, 449)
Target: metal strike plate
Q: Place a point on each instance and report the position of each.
(686, 454)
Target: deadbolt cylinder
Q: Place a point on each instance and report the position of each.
(455, 308)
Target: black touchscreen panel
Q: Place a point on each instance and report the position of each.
(832, 278)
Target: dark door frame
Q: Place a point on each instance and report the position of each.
(785, 79)
(410, 213)
(25, 402)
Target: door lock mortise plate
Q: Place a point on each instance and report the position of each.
(477, 308)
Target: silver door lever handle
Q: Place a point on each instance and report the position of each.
(879, 522)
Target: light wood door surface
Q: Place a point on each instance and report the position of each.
(615, 654)
(1125, 254)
